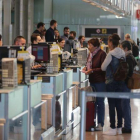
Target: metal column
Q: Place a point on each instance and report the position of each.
(16, 18)
(7, 21)
(83, 116)
(21, 18)
(30, 19)
(0, 16)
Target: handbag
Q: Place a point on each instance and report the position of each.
(134, 81)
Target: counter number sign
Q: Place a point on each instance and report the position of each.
(104, 31)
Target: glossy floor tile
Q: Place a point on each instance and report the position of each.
(135, 107)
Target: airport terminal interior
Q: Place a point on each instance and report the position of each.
(69, 69)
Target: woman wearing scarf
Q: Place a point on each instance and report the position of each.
(126, 109)
(96, 77)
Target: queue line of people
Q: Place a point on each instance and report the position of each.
(101, 70)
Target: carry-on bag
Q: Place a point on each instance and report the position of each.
(90, 107)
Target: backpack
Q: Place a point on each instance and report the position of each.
(122, 70)
(135, 50)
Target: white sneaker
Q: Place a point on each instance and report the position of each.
(99, 127)
(119, 131)
(111, 132)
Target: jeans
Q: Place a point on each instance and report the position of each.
(115, 103)
(99, 104)
(126, 110)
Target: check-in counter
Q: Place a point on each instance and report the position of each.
(67, 84)
(53, 92)
(13, 114)
(38, 123)
(79, 79)
(32, 93)
(78, 76)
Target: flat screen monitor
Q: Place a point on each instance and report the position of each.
(85, 44)
(68, 48)
(41, 52)
(4, 53)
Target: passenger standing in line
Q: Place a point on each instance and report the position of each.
(126, 109)
(73, 34)
(50, 37)
(40, 28)
(96, 77)
(66, 33)
(81, 39)
(110, 65)
(57, 35)
(0, 40)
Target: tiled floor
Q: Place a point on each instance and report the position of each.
(135, 107)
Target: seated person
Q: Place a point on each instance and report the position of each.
(35, 39)
(20, 41)
(0, 40)
(61, 43)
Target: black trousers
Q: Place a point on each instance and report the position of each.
(115, 103)
(115, 106)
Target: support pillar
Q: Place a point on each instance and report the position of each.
(30, 19)
(1, 17)
(7, 22)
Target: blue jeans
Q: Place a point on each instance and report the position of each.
(115, 103)
(100, 105)
(126, 110)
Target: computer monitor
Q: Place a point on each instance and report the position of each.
(4, 53)
(13, 50)
(85, 44)
(68, 48)
(41, 52)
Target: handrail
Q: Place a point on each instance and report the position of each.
(20, 115)
(61, 93)
(39, 104)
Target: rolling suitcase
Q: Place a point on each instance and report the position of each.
(90, 124)
(58, 116)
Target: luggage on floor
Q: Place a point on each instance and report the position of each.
(90, 124)
(57, 115)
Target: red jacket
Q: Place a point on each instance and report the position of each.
(98, 76)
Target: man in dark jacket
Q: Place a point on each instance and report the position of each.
(40, 28)
(50, 37)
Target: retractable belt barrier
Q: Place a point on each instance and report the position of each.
(135, 94)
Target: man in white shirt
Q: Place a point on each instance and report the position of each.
(35, 39)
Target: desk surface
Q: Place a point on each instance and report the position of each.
(66, 70)
(74, 66)
(50, 75)
(9, 90)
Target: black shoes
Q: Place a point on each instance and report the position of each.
(124, 130)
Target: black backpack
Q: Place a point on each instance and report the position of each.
(122, 70)
(135, 50)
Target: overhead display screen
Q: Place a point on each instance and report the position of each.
(100, 33)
